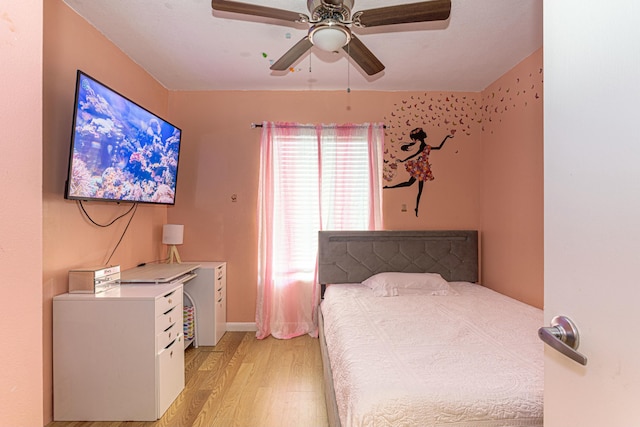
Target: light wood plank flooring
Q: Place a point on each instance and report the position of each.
(245, 382)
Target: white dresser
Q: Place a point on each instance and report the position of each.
(209, 293)
(118, 355)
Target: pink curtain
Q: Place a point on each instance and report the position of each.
(312, 177)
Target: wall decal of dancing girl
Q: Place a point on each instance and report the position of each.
(418, 164)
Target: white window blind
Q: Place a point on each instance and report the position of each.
(322, 183)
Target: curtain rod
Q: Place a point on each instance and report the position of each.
(259, 125)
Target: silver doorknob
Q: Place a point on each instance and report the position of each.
(563, 336)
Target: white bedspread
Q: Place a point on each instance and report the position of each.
(467, 360)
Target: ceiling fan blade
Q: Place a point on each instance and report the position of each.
(363, 56)
(435, 10)
(255, 10)
(292, 55)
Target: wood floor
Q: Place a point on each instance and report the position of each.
(245, 382)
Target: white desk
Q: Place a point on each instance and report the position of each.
(208, 290)
(119, 355)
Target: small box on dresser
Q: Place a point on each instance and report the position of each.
(209, 292)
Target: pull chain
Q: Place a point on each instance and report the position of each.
(348, 68)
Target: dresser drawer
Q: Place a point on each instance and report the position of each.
(220, 271)
(169, 300)
(165, 337)
(170, 373)
(173, 316)
(220, 291)
(221, 319)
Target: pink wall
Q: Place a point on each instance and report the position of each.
(21, 387)
(512, 183)
(220, 155)
(496, 155)
(220, 159)
(70, 241)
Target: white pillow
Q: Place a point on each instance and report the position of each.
(387, 284)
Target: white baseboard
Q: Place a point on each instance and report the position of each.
(241, 327)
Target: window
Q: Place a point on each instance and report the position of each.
(312, 178)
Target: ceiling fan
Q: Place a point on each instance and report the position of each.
(331, 21)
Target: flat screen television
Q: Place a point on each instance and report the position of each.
(120, 151)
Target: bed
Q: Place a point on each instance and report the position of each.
(408, 350)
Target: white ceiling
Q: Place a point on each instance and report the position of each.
(185, 46)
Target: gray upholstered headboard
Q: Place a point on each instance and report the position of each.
(353, 256)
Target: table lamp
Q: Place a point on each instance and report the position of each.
(172, 235)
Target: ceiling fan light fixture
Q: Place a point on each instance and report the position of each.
(329, 36)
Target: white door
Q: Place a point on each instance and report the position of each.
(592, 208)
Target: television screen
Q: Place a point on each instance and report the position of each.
(119, 151)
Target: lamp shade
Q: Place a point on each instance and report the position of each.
(172, 234)
(329, 37)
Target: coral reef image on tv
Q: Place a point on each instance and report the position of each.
(119, 150)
